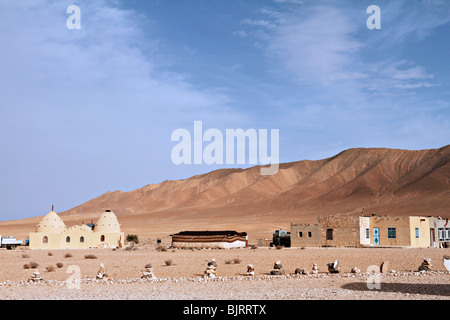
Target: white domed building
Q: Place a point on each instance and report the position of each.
(52, 233)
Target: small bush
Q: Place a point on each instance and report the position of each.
(279, 247)
(253, 246)
(34, 265)
(67, 255)
(133, 238)
(237, 260)
(24, 255)
(26, 266)
(161, 249)
(50, 254)
(168, 262)
(60, 265)
(50, 268)
(90, 256)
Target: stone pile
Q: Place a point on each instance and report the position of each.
(210, 272)
(101, 274)
(250, 270)
(36, 276)
(426, 265)
(148, 272)
(301, 271)
(278, 269)
(355, 270)
(333, 267)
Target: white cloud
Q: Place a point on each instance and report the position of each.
(240, 34)
(317, 45)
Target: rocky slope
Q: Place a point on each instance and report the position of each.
(387, 181)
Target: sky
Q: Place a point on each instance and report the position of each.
(92, 109)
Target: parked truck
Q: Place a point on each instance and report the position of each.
(281, 238)
(9, 243)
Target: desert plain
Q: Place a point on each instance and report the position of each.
(179, 274)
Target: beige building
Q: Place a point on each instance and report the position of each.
(52, 233)
(352, 231)
(399, 231)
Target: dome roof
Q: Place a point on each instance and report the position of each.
(107, 223)
(51, 223)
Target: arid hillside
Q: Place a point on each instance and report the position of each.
(356, 181)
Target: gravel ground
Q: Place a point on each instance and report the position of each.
(433, 285)
(179, 274)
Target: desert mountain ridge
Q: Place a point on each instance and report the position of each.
(354, 182)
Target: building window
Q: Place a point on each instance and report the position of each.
(391, 233)
(81, 239)
(417, 233)
(300, 234)
(309, 234)
(67, 239)
(441, 234)
(367, 233)
(102, 238)
(447, 233)
(329, 234)
(45, 239)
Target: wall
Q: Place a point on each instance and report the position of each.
(36, 240)
(305, 240)
(436, 223)
(423, 223)
(401, 225)
(345, 231)
(364, 223)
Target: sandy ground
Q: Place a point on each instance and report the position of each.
(179, 274)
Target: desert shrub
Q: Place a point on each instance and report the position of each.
(60, 265)
(67, 255)
(90, 256)
(24, 255)
(50, 254)
(168, 262)
(253, 246)
(133, 238)
(237, 260)
(161, 249)
(34, 265)
(50, 268)
(279, 247)
(228, 261)
(26, 266)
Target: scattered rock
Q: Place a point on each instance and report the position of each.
(384, 267)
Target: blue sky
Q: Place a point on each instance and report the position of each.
(87, 111)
